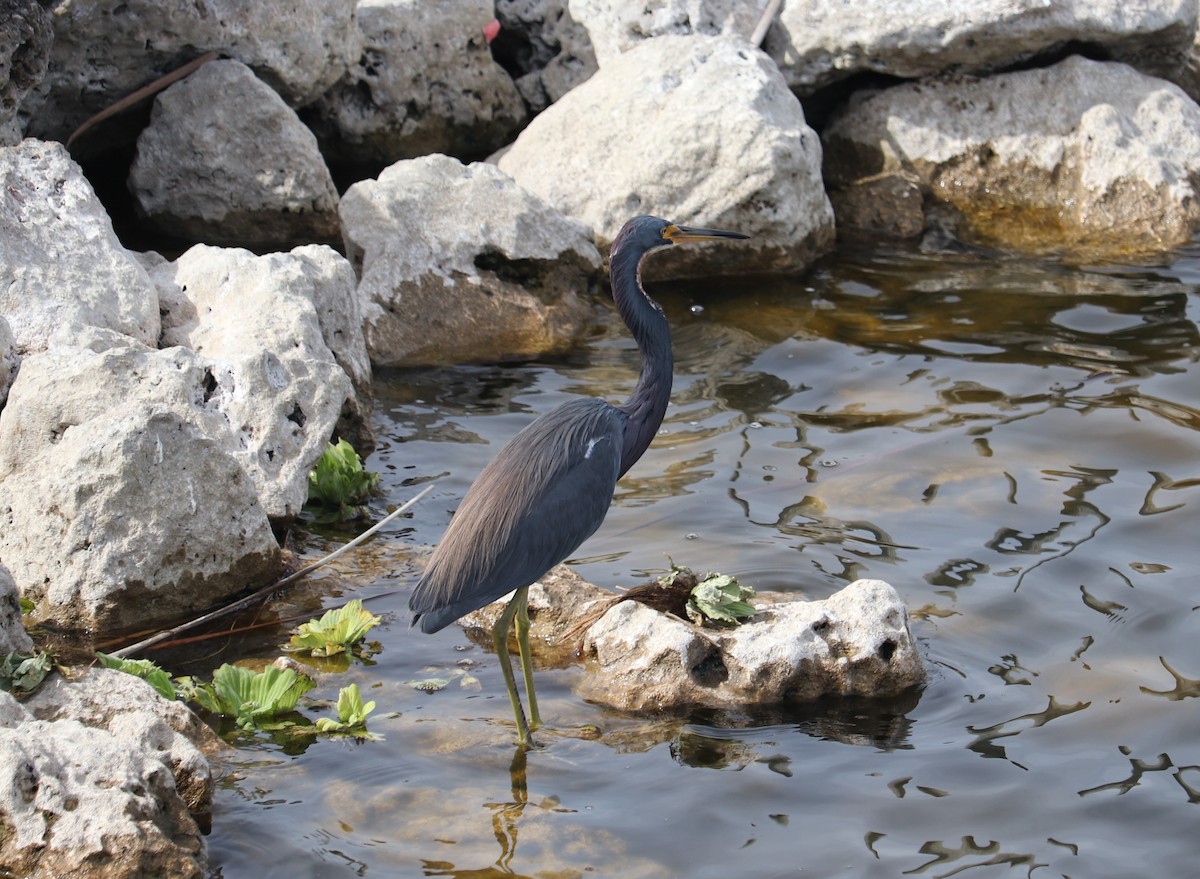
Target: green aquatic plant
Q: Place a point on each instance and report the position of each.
(352, 713)
(719, 599)
(336, 631)
(21, 674)
(144, 669)
(339, 484)
(251, 698)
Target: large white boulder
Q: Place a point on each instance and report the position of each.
(459, 264)
(117, 514)
(61, 266)
(616, 26)
(9, 359)
(281, 336)
(98, 778)
(816, 42)
(225, 161)
(1086, 157)
(697, 130)
(106, 49)
(424, 82)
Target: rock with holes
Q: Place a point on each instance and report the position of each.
(225, 161)
(425, 82)
(13, 636)
(1088, 158)
(9, 360)
(62, 268)
(728, 147)
(817, 43)
(99, 779)
(616, 26)
(459, 264)
(25, 40)
(289, 363)
(545, 49)
(854, 643)
(116, 513)
(106, 49)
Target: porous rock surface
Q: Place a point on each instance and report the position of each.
(856, 642)
(13, 637)
(459, 264)
(1085, 157)
(754, 166)
(615, 26)
(424, 82)
(61, 265)
(100, 777)
(252, 177)
(107, 49)
(9, 360)
(817, 42)
(25, 39)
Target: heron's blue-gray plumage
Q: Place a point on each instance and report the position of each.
(544, 494)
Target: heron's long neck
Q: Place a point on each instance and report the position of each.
(648, 402)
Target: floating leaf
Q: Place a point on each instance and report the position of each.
(144, 669)
(27, 606)
(352, 712)
(430, 685)
(721, 599)
(339, 484)
(336, 631)
(251, 698)
(21, 675)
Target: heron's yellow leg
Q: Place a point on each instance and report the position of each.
(521, 599)
(500, 640)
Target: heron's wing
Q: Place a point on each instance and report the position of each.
(543, 495)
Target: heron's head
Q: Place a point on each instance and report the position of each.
(643, 234)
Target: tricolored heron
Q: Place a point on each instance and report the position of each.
(549, 488)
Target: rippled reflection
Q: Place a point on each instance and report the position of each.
(1014, 445)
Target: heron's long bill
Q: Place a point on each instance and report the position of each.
(692, 233)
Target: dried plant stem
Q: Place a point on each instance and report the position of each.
(261, 594)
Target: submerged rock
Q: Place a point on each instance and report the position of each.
(225, 161)
(698, 130)
(637, 659)
(458, 264)
(1087, 158)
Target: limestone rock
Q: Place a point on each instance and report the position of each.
(99, 794)
(61, 265)
(283, 334)
(135, 714)
(816, 42)
(425, 82)
(459, 264)
(616, 26)
(544, 48)
(854, 643)
(25, 40)
(697, 130)
(9, 360)
(226, 161)
(1087, 158)
(125, 517)
(13, 636)
(106, 49)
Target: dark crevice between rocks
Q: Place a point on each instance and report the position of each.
(710, 671)
(526, 273)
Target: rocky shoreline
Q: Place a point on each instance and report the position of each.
(320, 186)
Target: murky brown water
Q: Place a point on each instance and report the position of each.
(1014, 446)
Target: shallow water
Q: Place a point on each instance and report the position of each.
(1013, 445)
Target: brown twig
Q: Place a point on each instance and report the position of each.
(261, 594)
(141, 94)
(764, 22)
